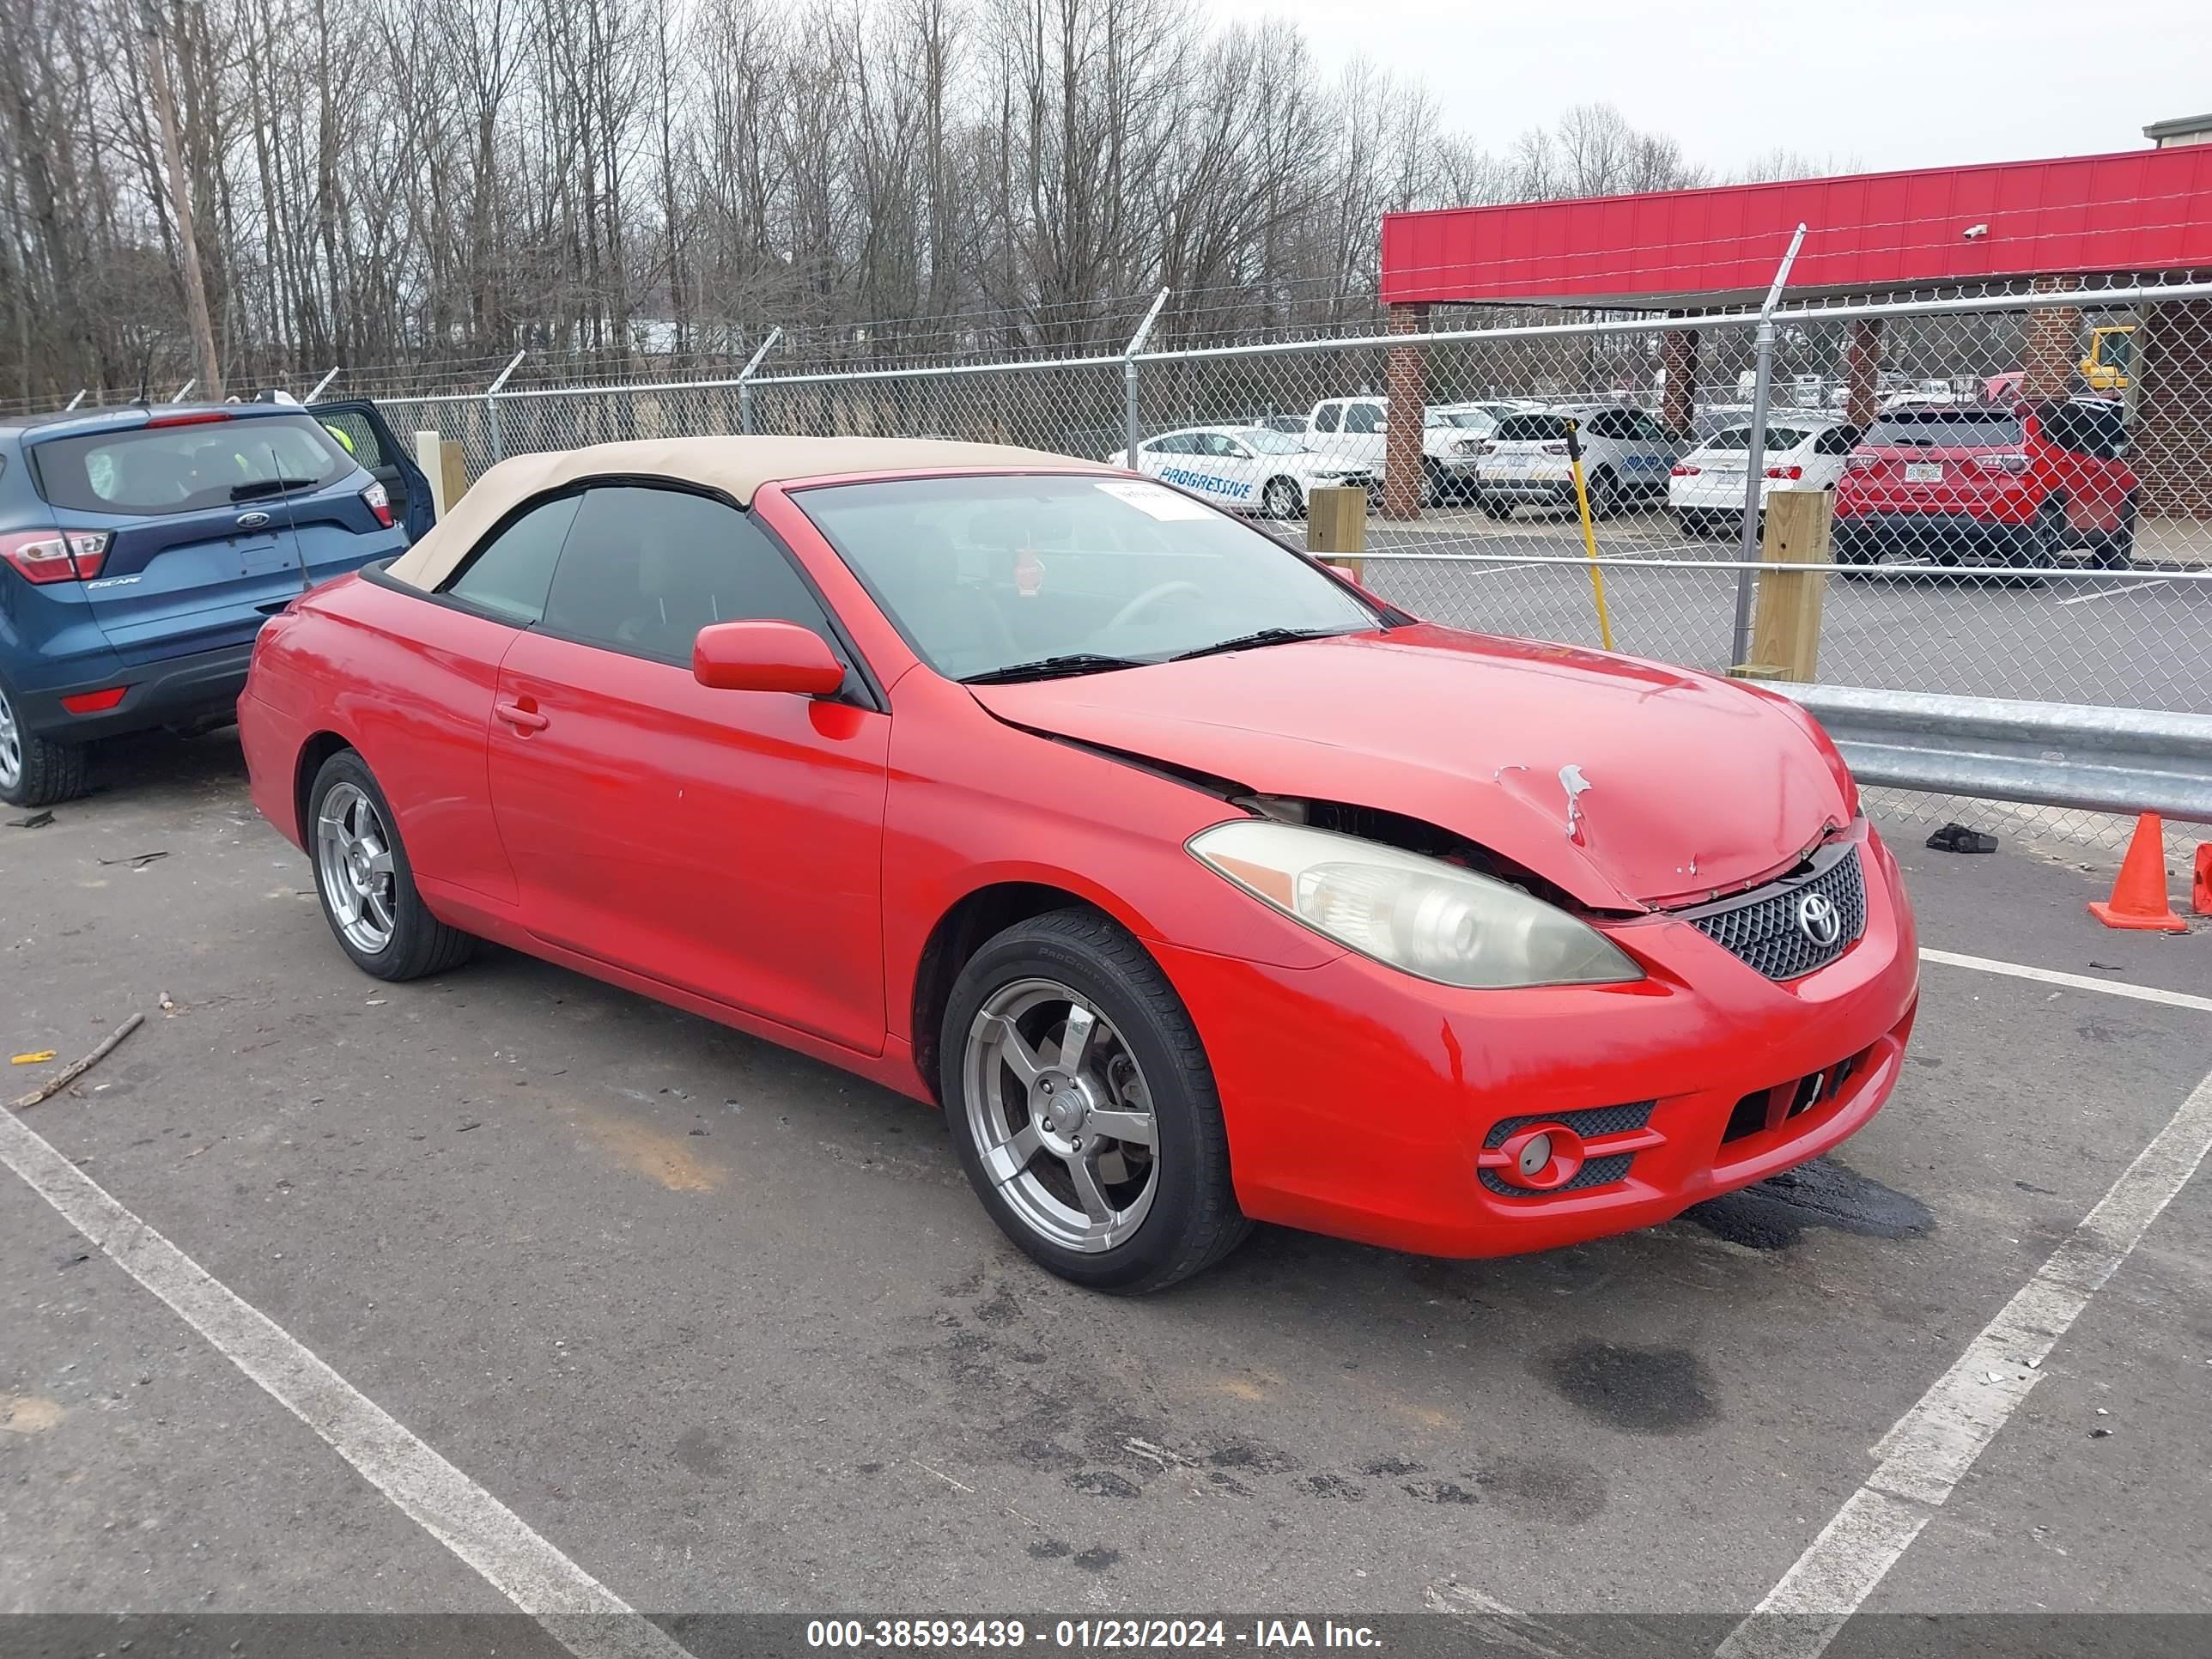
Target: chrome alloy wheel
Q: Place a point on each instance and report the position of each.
(353, 862)
(1060, 1114)
(11, 746)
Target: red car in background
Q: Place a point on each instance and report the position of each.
(1948, 483)
(1197, 886)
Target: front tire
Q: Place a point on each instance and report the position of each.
(1281, 500)
(1082, 1108)
(364, 882)
(36, 771)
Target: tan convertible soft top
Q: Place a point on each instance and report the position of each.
(736, 467)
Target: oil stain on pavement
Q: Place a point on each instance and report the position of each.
(1772, 1214)
(1638, 1390)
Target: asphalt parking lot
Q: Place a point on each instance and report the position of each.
(2075, 636)
(725, 1330)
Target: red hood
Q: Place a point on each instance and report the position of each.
(1691, 784)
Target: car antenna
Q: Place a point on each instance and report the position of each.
(291, 519)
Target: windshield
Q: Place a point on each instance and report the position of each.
(190, 467)
(1475, 418)
(1271, 443)
(983, 574)
(1949, 428)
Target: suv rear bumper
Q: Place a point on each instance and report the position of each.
(179, 690)
(1863, 538)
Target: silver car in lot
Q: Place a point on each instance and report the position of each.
(1627, 456)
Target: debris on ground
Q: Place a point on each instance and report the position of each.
(1957, 838)
(35, 820)
(2106, 967)
(37, 1058)
(138, 860)
(2099, 1434)
(76, 1069)
(168, 1007)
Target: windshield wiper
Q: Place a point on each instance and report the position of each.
(246, 492)
(1259, 636)
(1053, 668)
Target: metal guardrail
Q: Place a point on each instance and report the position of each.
(2051, 754)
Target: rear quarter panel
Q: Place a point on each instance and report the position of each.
(410, 683)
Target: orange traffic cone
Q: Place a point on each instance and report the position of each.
(2139, 900)
(2200, 894)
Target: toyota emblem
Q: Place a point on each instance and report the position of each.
(1819, 919)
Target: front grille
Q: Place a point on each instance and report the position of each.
(1770, 1107)
(1761, 926)
(1590, 1123)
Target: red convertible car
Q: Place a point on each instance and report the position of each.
(1197, 885)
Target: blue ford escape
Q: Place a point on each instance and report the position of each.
(141, 548)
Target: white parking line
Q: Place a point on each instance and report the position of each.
(2116, 589)
(579, 1612)
(2074, 982)
(1928, 1451)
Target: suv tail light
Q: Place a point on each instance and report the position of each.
(2002, 463)
(1684, 470)
(55, 556)
(1785, 472)
(1555, 449)
(1857, 463)
(380, 502)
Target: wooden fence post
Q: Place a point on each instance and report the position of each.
(445, 463)
(1336, 527)
(1785, 629)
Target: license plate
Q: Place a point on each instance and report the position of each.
(1923, 472)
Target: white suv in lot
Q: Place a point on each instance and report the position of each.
(1451, 440)
(1626, 458)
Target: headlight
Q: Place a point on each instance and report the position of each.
(1425, 917)
(1335, 472)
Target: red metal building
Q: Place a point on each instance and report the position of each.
(2056, 224)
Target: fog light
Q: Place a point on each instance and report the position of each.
(1535, 1153)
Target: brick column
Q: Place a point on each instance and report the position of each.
(1409, 407)
(1678, 355)
(2050, 365)
(1863, 372)
(2171, 382)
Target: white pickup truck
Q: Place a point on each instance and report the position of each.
(1451, 440)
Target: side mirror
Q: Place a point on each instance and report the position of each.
(765, 656)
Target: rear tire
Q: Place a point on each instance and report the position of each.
(2046, 535)
(1495, 506)
(1604, 492)
(1171, 1210)
(364, 882)
(2117, 552)
(36, 771)
(1696, 525)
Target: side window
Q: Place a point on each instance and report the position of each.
(645, 569)
(351, 427)
(1227, 448)
(1363, 417)
(1648, 428)
(1606, 424)
(2108, 433)
(1836, 441)
(2058, 426)
(1326, 419)
(1176, 443)
(508, 574)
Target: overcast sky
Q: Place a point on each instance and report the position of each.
(1871, 85)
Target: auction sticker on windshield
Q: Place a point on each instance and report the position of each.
(1157, 500)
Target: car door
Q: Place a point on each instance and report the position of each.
(728, 843)
(437, 772)
(1234, 468)
(2097, 505)
(361, 426)
(1365, 426)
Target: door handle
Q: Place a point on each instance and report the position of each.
(521, 718)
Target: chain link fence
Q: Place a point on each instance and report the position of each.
(2023, 481)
